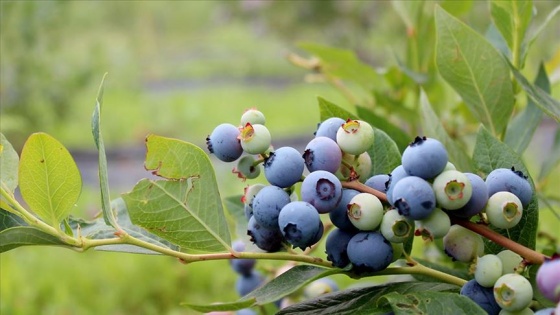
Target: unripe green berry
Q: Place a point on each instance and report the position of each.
(246, 168)
(504, 210)
(525, 311)
(255, 139)
(513, 292)
(452, 189)
(365, 211)
(252, 116)
(355, 137)
(436, 225)
(510, 261)
(488, 270)
(395, 227)
(463, 244)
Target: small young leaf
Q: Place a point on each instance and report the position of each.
(432, 303)
(9, 160)
(476, 70)
(108, 216)
(366, 301)
(489, 154)
(512, 18)
(187, 210)
(17, 236)
(542, 99)
(431, 124)
(49, 179)
(521, 129)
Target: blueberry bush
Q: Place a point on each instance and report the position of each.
(428, 151)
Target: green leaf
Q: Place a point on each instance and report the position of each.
(401, 138)
(186, 211)
(553, 158)
(8, 220)
(521, 129)
(542, 99)
(362, 301)
(512, 19)
(432, 303)
(476, 70)
(49, 179)
(432, 126)
(219, 307)
(457, 8)
(489, 154)
(344, 64)
(534, 32)
(328, 110)
(9, 160)
(236, 210)
(409, 12)
(462, 273)
(108, 216)
(17, 236)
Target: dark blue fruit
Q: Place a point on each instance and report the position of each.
(378, 182)
(322, 153)
(482, 296)
(245, 284)
(503, 179)
(267, 205)
(242, 266)
(336, 247)
(284, 167)
(321, 189)
(223, 142)
(329, 127)
(339, 215)
(478, 199)
(369, 252)
(267, 239)
(300, 224)
(424, 157)
(414, 198)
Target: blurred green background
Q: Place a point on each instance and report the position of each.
(176, 68)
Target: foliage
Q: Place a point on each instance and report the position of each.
(473, 96)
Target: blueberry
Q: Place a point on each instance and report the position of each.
(548, 279)
(246, 168)
(300, 224)
(435, 226)
(249, 194)
(424, 157)
(246, 311)
(414, 197)
(321, 189)
(513, 292)
(503, 179)
(365, 211)
(255, 139)
(488, 270)
(453, 189)
(252, 116)
(245, 284)
(267, 205)
(267, 239)
(462, 244)
(355, 167)
(329, 127)
(336, 247)
(395, 227)
(369, 252)
(396, 174)
(378, 182)
(478, 199)
(339, 215)
(242, 266)
(504, 210)
(355, 137)
(322, 153)
(510, 261)
(284, 167)
(223, 142)
(319, 287)
(482, 296)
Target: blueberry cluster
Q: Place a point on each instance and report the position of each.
(421, 195)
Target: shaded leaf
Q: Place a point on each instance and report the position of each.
(432, 303)
(401, 138)
(328, 110)
(522, 127)
(431, 124)
(489, 154)
(8, 220)
(217, 307)
(362, 301)
(534, 32)
(343, 64)
(553, 158)
(108, 216)
(543, 100)
(236, 210)
(9, 160)
(187, 212)
(512, 19)
(49, 179)
(476, 70)
(17, 236)
(462, 273)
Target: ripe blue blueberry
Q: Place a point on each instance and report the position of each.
(336, 247)
(478, 199)
(223, 142)
(395, 176)
(245, 284)
(267, 205)
(548, 279)
(503, 179)
(242, 266)
(267, 239)
(321, 189)
(482, 296)
(300, 224)
(284, 167)
(329, 127)
(424, 157)
(414, 197)
(248, 195)
(369, 252)
(378, 182)
(322, 153)
(339, 215)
